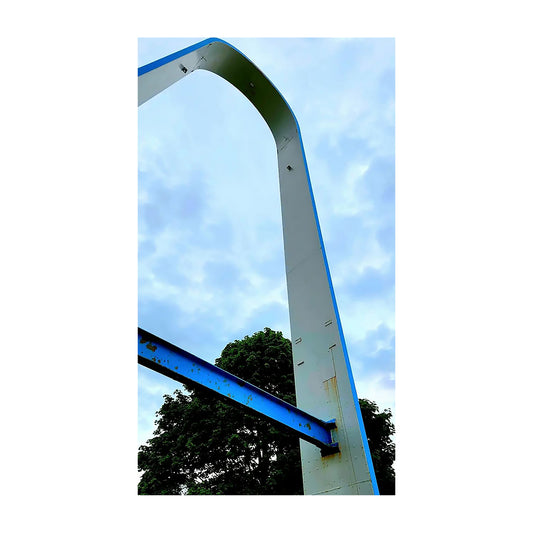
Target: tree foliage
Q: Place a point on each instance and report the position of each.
(203, 445)
(379, 430)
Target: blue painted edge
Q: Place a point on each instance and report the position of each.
(171, 57)
(180, 53)
(320, 430)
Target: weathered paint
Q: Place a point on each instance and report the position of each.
(180, 364)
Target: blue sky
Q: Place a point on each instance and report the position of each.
(211, 264)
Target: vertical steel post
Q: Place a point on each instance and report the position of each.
(324, 381)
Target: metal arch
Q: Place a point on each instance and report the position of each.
(323, 377)
(221, 58)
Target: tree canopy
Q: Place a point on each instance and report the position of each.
(203, 445)
(379, 430)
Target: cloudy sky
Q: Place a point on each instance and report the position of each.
(211, 266)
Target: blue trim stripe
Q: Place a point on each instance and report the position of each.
(180, 53)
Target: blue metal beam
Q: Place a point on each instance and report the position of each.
(165, 358)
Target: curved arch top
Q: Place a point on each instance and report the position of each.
(221, 58)
(323, 377)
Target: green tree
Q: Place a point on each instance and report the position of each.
(379, 430)
(203, 445)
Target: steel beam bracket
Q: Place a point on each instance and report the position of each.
(174, 362)
(332, 448)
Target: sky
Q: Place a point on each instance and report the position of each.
(210, 261)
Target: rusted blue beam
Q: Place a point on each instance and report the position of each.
(174, 362)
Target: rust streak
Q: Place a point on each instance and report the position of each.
(332, 457)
